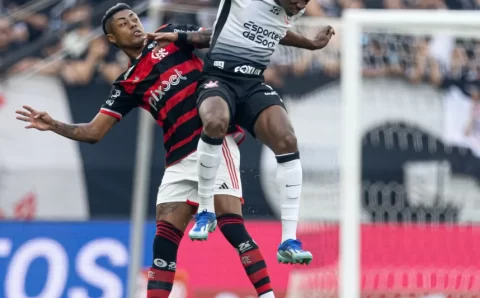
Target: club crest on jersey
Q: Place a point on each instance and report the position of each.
(287, 19)
(159, 54)
(211, 84)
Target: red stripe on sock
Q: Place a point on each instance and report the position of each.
(254, 256)
(158, 294)
(262, 289)
(169, 226)
(229, 221)
(257, 276)
(161, 275)
(169, 235)
(169, 232)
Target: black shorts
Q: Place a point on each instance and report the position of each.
(246, 97)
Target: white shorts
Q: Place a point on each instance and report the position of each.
(180, 181)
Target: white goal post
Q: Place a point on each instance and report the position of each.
(463, 24)
(458, 23)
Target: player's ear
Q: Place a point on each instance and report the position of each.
(111, 38)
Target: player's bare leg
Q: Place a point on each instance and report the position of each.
(172, 219)
(230, 222)
(274, 129)
(215, 116)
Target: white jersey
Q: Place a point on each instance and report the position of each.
(246, 33)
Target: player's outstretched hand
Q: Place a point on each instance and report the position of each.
(39, 120)
(163, 38)
(323, 37)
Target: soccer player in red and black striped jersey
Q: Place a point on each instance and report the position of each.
(162, 79)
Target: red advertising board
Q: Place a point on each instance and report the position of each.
(406, 259)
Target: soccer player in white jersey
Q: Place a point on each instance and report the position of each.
(232, 90)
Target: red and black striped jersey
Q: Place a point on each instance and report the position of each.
(163, 81)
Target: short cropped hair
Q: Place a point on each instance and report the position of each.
(110, 12)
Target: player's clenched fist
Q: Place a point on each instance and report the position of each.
(36, 119)
(323, 37)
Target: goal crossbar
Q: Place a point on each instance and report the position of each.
(353, 22)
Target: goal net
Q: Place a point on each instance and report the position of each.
(388, 124)
(387, 118)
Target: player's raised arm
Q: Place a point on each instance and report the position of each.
(198, 39)
(91, 132)
(296, 40)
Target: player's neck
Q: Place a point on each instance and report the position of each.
(133, 53)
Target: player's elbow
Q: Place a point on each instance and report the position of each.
(94, 136)
(92, 141)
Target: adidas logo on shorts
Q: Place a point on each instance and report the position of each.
(223, 186)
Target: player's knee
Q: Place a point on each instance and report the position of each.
(285, 143)
(215, 117)
(216, 126)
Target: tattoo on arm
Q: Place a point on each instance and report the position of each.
(76, 132)
(200, 39)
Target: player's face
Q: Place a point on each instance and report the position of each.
(126, 30)
(293, 7)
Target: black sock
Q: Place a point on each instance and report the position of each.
(165, 248)
(233, 229)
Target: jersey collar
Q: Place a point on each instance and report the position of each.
(145, 50)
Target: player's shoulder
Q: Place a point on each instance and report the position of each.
(165, 28)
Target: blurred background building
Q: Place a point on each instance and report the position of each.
(64, 206)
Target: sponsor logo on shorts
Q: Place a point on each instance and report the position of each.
(271, 93)
(219, 64)
(224, 186)
(211, 84)
(246, 69)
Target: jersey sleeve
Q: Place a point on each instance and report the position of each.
(119, 103)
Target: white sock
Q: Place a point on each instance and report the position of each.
(289, 181)
(267, 295)
(208, 160)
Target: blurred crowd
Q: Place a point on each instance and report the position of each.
(435, 59)
(74, 53)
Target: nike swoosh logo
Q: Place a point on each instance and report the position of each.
(205, 166)
(292, 185)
